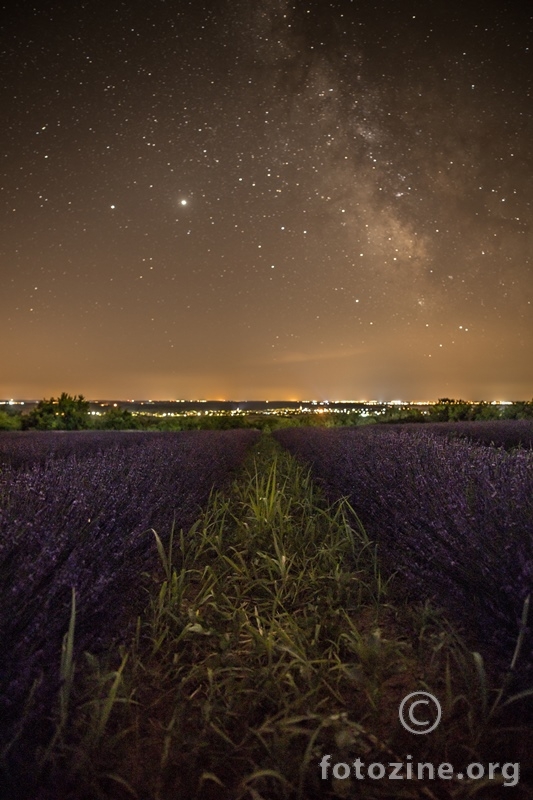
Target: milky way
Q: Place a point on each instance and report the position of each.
(267, 200)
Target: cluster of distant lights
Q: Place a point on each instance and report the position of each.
(310, 405)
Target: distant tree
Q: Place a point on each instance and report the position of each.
(347, 419)
(9, 422)
(167, 424)
(400, 415)
(64, 413)
(117, 419)
(449, 410)
(440, 411)
(519, 410)
(460, 410)
(309, 420)
(485, 411)
(527, 410)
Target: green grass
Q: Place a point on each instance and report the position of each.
(271, 638)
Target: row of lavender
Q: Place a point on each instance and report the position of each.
(509, 434)
(455, 519)
(18, 449)
(75, 511)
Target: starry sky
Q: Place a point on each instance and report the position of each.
(265, 199)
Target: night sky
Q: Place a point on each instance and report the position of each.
(262, 199)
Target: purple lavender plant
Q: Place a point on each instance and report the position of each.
(509, 434)
(75, 511)
(455, 519)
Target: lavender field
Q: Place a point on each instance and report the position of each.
(453, 518)
(76, 511)
(509, 434)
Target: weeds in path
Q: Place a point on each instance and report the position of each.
(271, 640)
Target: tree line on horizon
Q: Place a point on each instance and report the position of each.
(71, 413)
